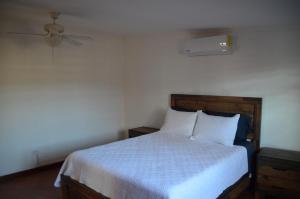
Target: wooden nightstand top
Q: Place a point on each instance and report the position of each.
(278, 173)
(144, 129)
(279, 154)
(135, 132)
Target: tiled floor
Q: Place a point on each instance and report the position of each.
(40, 186)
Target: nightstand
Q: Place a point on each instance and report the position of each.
(141, 131)
(278, 174)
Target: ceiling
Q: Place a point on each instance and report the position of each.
(134, 16)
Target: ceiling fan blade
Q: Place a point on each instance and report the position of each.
(71, 40)
(27, 34)
(81, 37)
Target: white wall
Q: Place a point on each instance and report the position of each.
(266, 64)
(87, 95)
(52, 106)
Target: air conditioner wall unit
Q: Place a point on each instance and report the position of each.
(213, 45)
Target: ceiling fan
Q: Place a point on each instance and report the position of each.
(54, 33)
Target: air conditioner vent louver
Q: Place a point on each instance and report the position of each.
(214, 45)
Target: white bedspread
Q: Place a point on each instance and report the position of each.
(157, 166)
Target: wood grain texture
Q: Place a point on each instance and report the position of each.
(278, 173)
(229, 104)
(74, 190)
(141, 131)
(237, 189)
(30, 171)
(39, 185)
(246, 105)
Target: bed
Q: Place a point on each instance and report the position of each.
(113, 170)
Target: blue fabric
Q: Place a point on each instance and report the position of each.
(241, 134)
(250, 147)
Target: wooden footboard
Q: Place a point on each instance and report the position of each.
(235, 190)
(71, 189)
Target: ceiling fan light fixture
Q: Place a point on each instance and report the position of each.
(54, 33)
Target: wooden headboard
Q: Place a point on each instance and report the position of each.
(245, 105)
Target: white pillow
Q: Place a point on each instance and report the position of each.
(216, 129)
(179, 122)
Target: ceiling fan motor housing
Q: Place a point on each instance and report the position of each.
(54, 37)
(54, 28)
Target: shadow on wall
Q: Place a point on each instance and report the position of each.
(156, 117)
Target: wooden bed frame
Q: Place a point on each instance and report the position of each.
(72, 189)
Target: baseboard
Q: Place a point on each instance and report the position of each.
(30, 171)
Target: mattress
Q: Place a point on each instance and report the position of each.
(157, 166)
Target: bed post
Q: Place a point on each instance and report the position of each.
(64, 188)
